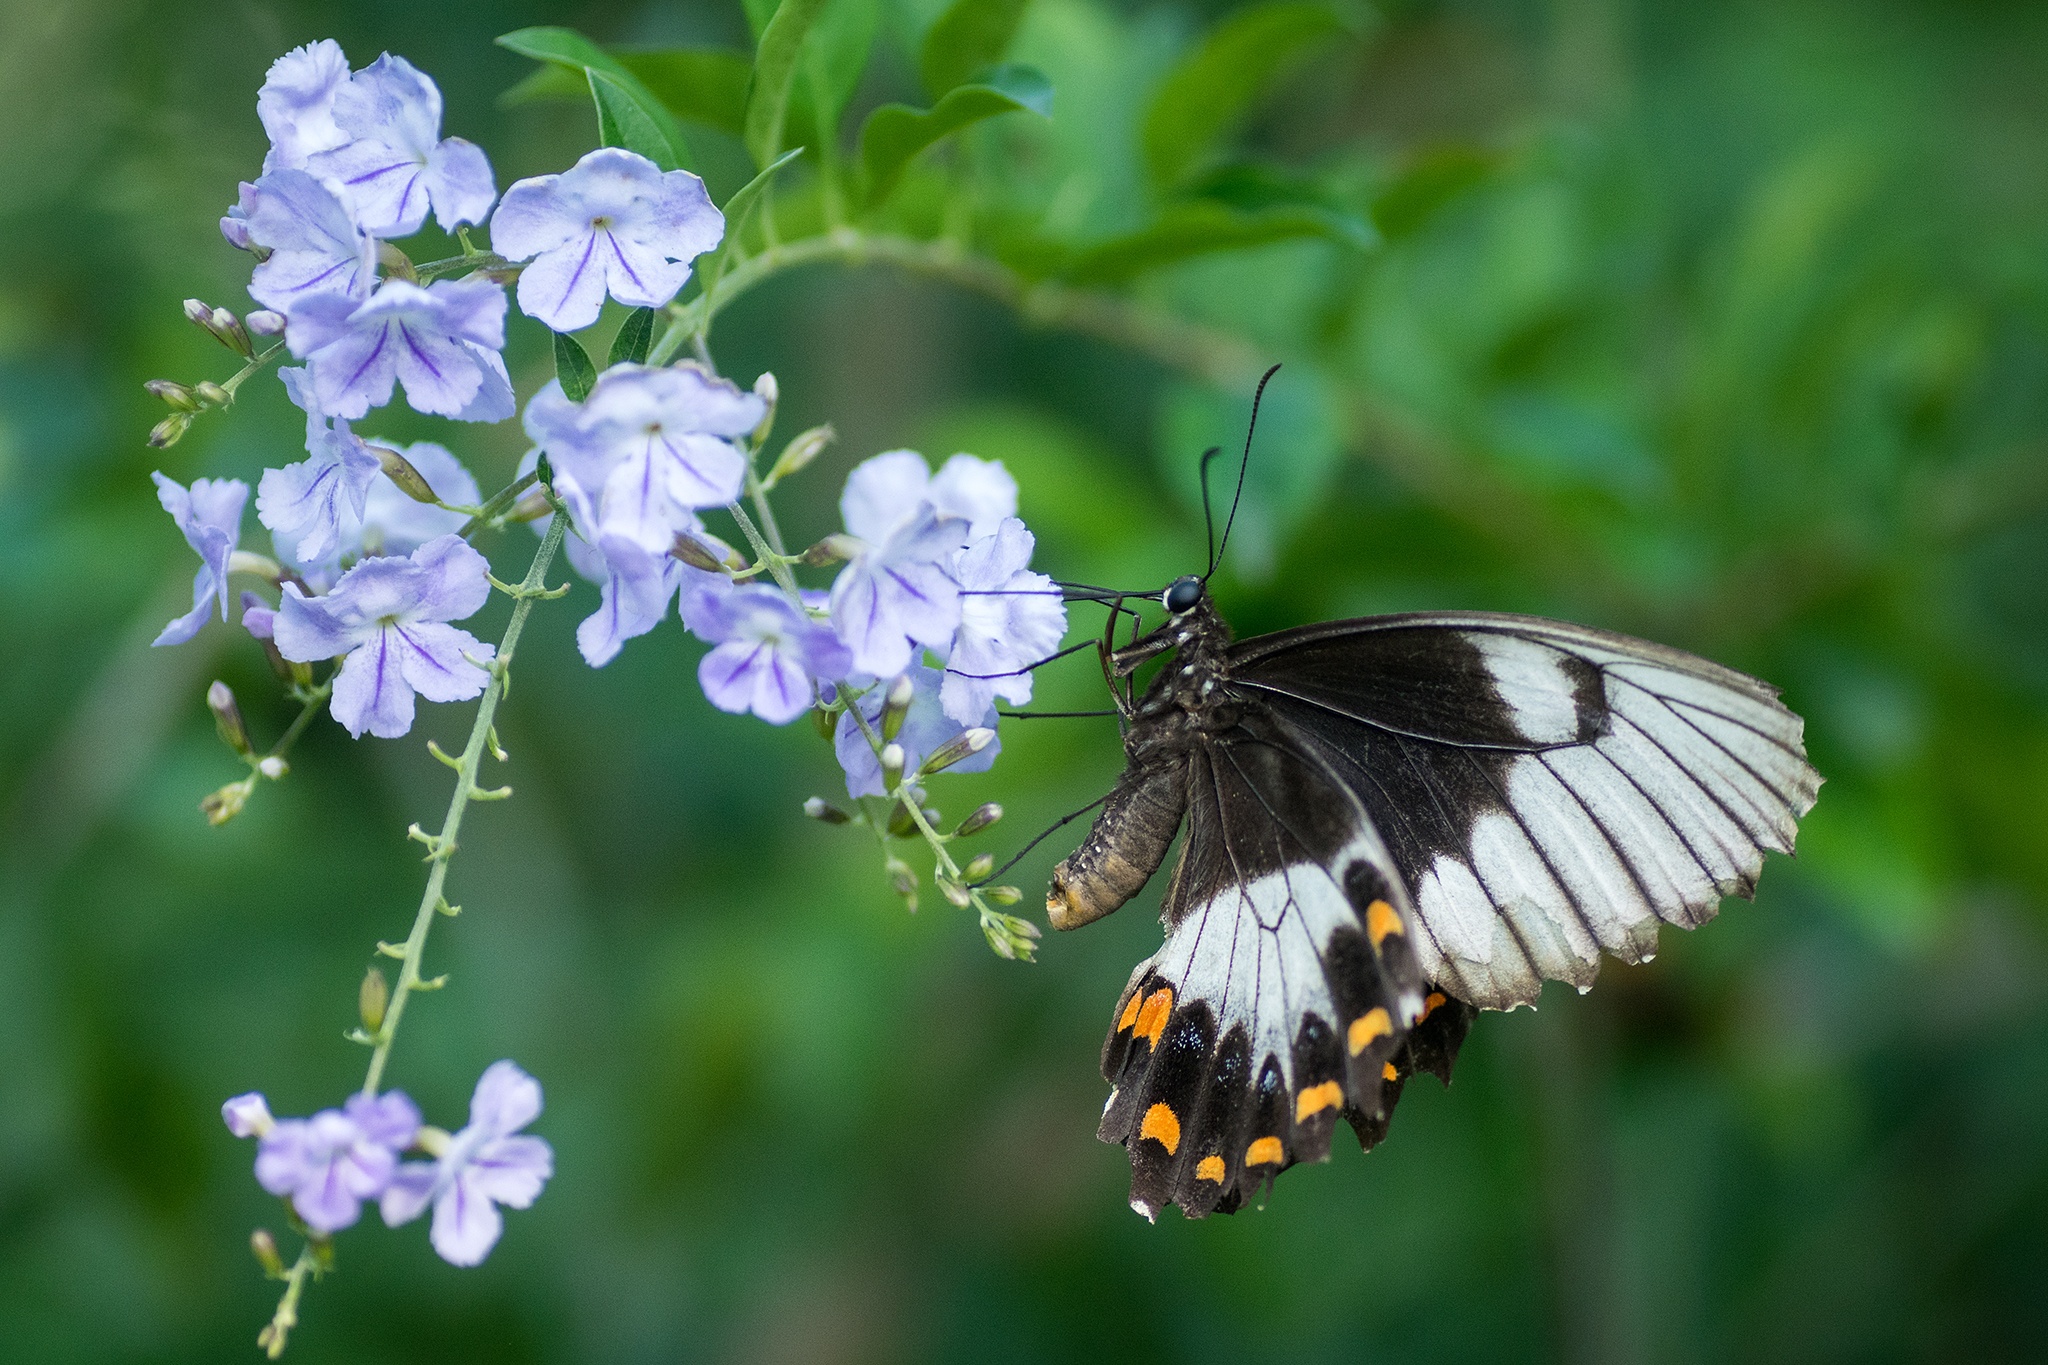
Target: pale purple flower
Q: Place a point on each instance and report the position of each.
(394, 524)
(259, 618)
(389, 615)
(311, 505)
(210, 515)
(768, 651)
(614, 222)
(247, 1115)
(397, 162)
(234, 224)
(327, 1165)
(884, 492)
(1010, 618)
(425, 339)
(296, 103)
(494, 400)
(925, 727)
(488, 1163)
(899, 594)
(648, 447)
(315, 246)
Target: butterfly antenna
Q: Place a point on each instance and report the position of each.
(1208, 517)
(1242, 465)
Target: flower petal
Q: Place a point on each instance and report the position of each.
(512, 1170)
(433, 664)
(459, 183)
(370, 691)
(505, 1100)
(405, 1197)
(466, 1224)
(882, 493)
(563, 287)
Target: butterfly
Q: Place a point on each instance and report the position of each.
(1393, 823)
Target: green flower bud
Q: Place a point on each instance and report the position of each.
(410, 481)
(954, 893)
(213, 393)
(803, 448)
(902, 880)
(831, 550)
(818, 808)
(979, 866)
(1003, 895)
(895, 706)
(225, 804)
(265, 1248)
(172, 392)
(273, 767)
(983, 816)
(695, 553)
(227, 717)
(900, 824)
(770, 393)
(372, 998)
(893, 759)
(963, 745)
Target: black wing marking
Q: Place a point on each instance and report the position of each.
(1284, 993)
(1548, 792)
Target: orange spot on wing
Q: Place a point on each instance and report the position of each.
(1389, 1073)
(1267, 1151)
(1380, 920)
(1162, 1125)
(1317, 1098)
(1130, 1014)
(1374, 1023)
(1429, 1006)
(1211, 1168)
(1152, 1018)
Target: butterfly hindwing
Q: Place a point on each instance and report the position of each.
(1286, 985)
(1548, 792)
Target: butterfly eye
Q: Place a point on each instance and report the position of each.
(1182, 595)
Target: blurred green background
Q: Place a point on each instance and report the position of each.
(1723, 323)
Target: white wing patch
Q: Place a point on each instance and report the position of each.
(1654, 821)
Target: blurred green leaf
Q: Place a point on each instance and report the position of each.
(968, 36)
(775, 65)
(573, 367)
(1200, 228)
(624, 120)
(834, 56)
(1254, 186)
(895, 133)
(1428, 183)
(625, 107)
(746, 196)
(1211, 87)
(636, 335)
(706, 85)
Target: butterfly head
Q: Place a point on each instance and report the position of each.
(1183, 595)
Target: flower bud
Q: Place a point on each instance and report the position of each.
(902, 880)
(265, 323)
(954, 892)
(979, 867)
(963, 745)
(432, 1141)
(213, 393)
(803, 448)
(901, 825)
(531, 507)
(168, 431)
(225, 804)
(265, 1248)
(893, 759)
(896, 705)
(273, 767)
(173, 393)
(1003, 895)
(410, 481)
(830, 550)
(695, 553)
(983, 816)
(227, 717)
(221, 325)
(371, 999)
(818, 808)
(769, 392)
(396, 263)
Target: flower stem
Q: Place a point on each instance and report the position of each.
(442, 846)
(278, 1330)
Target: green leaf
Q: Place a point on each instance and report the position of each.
(1435, 179)
(1255, 186)
(1209, 89)
(625, 121)
(629, 109)
(970, 35)
(834, 55)
(775, 64)
(546, 82)
(706, 85)
(895, 133)
(1200, 228)
(636, 336)
(573, 367)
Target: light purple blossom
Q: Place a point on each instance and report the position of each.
(899, 594)
(614, 222)
(327, 1165)
(315, 246)
(259, 618)
(925, 727)
(488, 1163)
(296, 103)
(884, 492)
(312, 504)
(389, 615)
(1010, 618)
(425, 339)
(397, 162)
(768, 651)
(210, 515)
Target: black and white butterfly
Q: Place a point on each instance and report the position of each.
(1392, 823)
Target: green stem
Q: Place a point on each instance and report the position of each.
(442, 847)
(500, 503)
(302, 720)
(278, 1331)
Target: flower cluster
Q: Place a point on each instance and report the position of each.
(328, 1166)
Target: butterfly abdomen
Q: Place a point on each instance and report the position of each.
(1124, 848)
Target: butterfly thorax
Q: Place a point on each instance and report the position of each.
(1191, 691)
